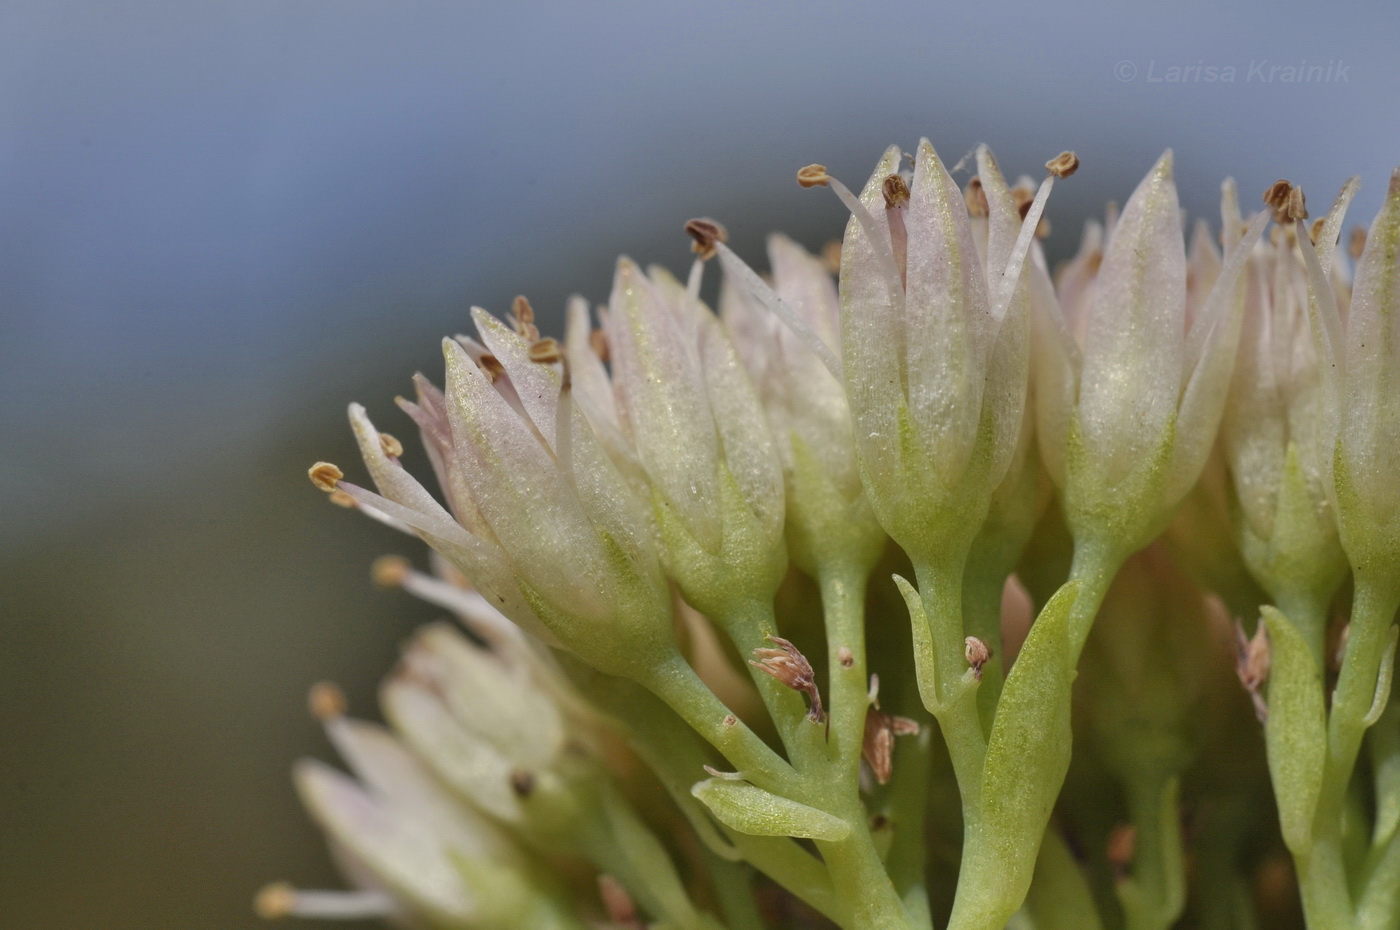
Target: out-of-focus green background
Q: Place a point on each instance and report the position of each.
(221, 221)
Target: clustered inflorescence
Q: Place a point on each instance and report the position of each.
(942, 593)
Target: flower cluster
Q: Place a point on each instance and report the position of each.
(944, 591)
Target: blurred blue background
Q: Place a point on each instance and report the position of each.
(220, 222)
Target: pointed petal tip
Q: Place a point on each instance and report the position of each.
(1163, 168)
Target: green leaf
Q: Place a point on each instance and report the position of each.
(1027, 758)
(749, 809)
(1296, 731)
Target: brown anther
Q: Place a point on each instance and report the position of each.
(1286, 201)
(977, 654)
(390, 571)
(1063, 165)
(707, 234)
(1042, 229)
(791, 667)
(976, 196)
(1252, 665)
(491, 367)
(522, 318)
(546, 351)
(1356, 243)
(896, 192)
(275, 901)
(831, 256)
(1315, 230)
(813, 176)
(341, 499)
(877, 745)
(326, 701)
(621, 910)
(325, 475)
(391, 446)
(845, 657)
(522, 783)
(1122, 847)
(598, 342)
(730, 720)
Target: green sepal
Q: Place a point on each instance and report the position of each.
(1296, 730)
(749, 809)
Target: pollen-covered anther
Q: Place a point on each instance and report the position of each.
(522, 318)
(390, 571)
(896, 192)
(976, 196)
(977, 654)
(706, 233)
(813, 176)
(791, 667)
(275, 901)
(325, 476)
(326, 701)
(1253, 657)
(1286, 201)
(391, 446)
(1063, 165)
(546, 351)
(1356, 243)
(341, 499)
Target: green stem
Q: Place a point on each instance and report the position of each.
(843, 604)
(982, 590)
(734, 893)
(1095, 565)
(1373, 610)
(1322, 880)
(1155, 896)
(1379, 907)
(749, 624)
(676, 683)
(1059, 898)
(940, 588)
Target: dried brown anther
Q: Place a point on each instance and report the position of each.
(1252, 665)
(791, 667)
(1356, 244)
(546, 351)
(598, 342)
(877, 745)
(976, 196)
(325, 475)
(707, 235)
(831, 256)
(813, 176)
(1063, 165)
(977, 654)
(491, 367)
(522, 318)
(341, 499)
(1122, 847)
(896, 192)
(846, 657)
(522, 783)
(622, 912)
(1286, 201)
